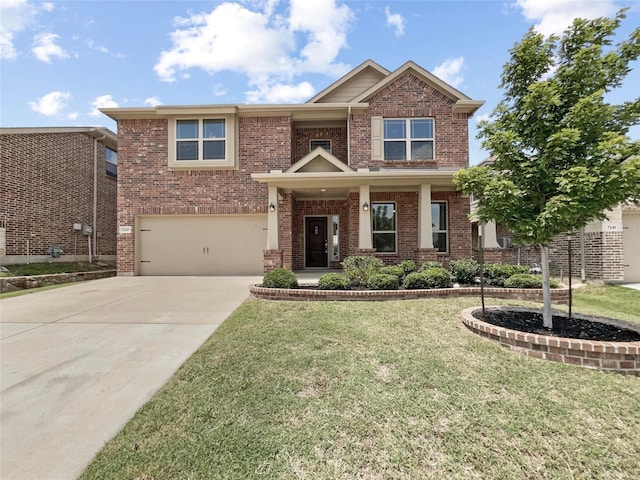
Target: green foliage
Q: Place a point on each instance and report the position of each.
(383, 281)
(280, 278)
(496, 273)
(395, 270)
(429, 278)
(561, 154)
(359, 269)
(408, 266)
(465, 270)
(431, 264)
(526, 280)
(333, 281)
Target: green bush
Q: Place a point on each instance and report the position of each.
(527, 280)
(465, 270)
(429, 278)
(280, 278)
(431, 264)
(521, 269)
(497, 273)
(359, 269)
(383, 281)
(408, 266)
(396, 270)
(333, 281)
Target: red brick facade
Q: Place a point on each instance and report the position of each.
(47, 185)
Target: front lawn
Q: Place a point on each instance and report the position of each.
(608, 301)
(380, 390)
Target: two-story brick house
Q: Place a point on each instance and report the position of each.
(364, 167)
(58, 187)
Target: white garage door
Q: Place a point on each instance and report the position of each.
(631, 239)
(201, 244)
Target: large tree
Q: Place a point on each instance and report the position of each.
(560, 151)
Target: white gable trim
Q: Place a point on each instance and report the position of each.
(324, 155)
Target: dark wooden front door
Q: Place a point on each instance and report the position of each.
(316, 242)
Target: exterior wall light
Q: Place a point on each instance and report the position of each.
(365, 206)
(272, 207)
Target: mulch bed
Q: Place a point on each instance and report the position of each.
(531, 322)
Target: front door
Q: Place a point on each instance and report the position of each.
(316, 252)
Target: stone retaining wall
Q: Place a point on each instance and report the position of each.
(558, 295)
(10, 284)
(620, 357)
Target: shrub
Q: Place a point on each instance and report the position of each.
(280, 278)
(465, 270)
(359, 269)
(497, 273)
(429, 278)
(521, 269)
(383, 281)
(408, 266)
(333, 281)
(395, 270)
(431, 264)
(526, 280)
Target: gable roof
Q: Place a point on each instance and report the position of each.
(318, 160)
(361, 77)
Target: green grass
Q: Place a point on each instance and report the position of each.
(608, 301)
(379, 390)
(53, 267)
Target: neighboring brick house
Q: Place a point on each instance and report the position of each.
(54, 183)
(364, 167)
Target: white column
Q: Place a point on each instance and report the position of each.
(272, 220)
(425, 226)
(364, 220)
(490, 238)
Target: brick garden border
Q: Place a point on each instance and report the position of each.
(558, 295)
(620, 357)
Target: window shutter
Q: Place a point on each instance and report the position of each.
(376, 138)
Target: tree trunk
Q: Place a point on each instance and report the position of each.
(547, 320)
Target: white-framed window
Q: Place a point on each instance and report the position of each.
(383, 226)
(335, 241)
(112, 162)
(439, 226)
(320, 142)
(202, 142)
(408, 139)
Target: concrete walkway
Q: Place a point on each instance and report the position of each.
(79, 361)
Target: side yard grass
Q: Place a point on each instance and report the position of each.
(380, 390)
(53, 267)
(608, 301)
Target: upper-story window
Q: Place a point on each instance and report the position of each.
(202, 143)
(408, 139)
(315, 143)
(112, 162)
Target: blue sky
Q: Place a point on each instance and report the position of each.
(61, 60)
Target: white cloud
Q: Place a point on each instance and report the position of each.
(51, 104)
(484, 117)
(554, 16)
(48, 6)
(450, 71)
(102, 49)
(395, 20)
(268, 55)
(15, 16)
(103, 101)
(281, 93)
(152, 101)
(45, 47)
(72, 115)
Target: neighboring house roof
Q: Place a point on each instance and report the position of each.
(109, 138)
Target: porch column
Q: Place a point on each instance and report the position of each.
(425, 225)
(272, 220)
(364, 219)
(490, 238)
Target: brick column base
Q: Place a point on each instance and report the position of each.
(425, 255)
(272, 260)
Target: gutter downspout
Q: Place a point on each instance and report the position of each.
(95, 192)
(583, 272)
(349, 135)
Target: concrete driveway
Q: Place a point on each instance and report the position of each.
(79, 361)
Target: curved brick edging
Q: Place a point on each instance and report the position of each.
(558, 295)
(620, 357)
(10, 284)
